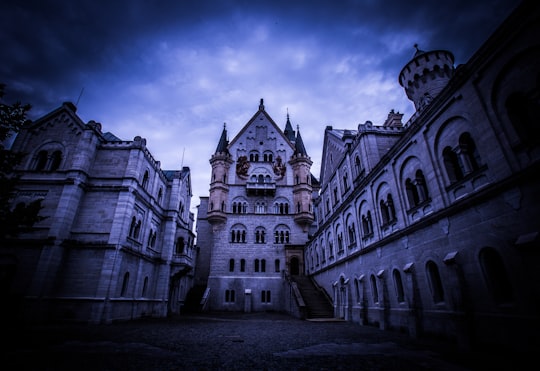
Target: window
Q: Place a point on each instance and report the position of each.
(180, 245)
(41, 161)
(367, 224)
(435, 282)
(265, 296)
(388, 213)
(263, 265)
(238, 235)
(56, 159)
(231, 265)
(260, 235)
(145, 180)
(522, 110)
(469, 153)
(374, 290)
(281, 235)
(125, 284)
(145, 286)
(277, 266)
(256, 265)
(229, 296)
(260, 207)
(281, 208)
(398, 284)
(160, 196)
(495, 275)
(452, 165)
(242, 265)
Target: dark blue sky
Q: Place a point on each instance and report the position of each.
(175, 71)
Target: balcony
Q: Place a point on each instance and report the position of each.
(261, 189)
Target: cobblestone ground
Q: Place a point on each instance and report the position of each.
(258, 341)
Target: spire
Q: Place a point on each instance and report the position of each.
(223, 142)
(299, 144)
(289, 132)
(418, 51)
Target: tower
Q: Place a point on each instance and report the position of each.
(302, 189)
(424, 76)
(221, 161)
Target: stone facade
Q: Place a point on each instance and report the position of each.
(255, 222)
(431, 227)
(117, 240)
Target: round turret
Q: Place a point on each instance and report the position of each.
(426, 75)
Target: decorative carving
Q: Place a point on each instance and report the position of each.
(242, 166)
(279, 167)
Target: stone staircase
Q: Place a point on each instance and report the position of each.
(318, 305)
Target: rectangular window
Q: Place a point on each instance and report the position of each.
(265, 296)
(229, 296)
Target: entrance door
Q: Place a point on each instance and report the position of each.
(294, 266)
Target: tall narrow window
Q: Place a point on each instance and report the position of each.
(256, 265)
(145, 286)
(496, 276)
(263, 265)
(56, 159)
(41, 161)
(435, 282)
(145, 180)
(276, 265)
(374, 290)
(398, 284)
(231, 265)
(125, 284)
(452, 165)
(242, 265)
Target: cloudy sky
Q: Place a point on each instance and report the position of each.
(174, 71)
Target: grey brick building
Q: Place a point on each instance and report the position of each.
(255, 222)
(432, 226)
(116, 242)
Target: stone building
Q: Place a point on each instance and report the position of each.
(431, 227)
(253, 226)
(117, 240)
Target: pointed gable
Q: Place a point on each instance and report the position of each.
(254, 128)
(334, 148)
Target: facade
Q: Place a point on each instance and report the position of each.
(255, 222)
(117, 240)
(431, 227)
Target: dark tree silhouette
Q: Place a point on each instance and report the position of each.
(13, 218)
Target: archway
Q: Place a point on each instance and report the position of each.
(294, 267)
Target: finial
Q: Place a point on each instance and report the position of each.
(224, 125)
(261, 105)
(297, 127)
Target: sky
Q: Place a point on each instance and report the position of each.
(174, 72)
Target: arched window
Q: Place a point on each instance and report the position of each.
(496, 276)
(41, 161)
(145, 180)
(452, 165)
(137, 230)
(471, 157)
(435, 282)
(231, 265)
(263, 265)
(398, 284)
(412, 193)
(132, 227)
(125, 284)
(421, 186)
(374, 290)
(242, 265)
(145, 287)
(56, 159)
(256, 265)
(260, 235)
(522, 111)
(160, 196)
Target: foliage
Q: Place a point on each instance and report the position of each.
(12, 220)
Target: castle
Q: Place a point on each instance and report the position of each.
(428, 227)
(116, 241)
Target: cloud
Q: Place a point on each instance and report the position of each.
(175, 71)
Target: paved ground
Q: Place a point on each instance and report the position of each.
(257, 341)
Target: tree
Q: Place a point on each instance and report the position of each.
(13, 219)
